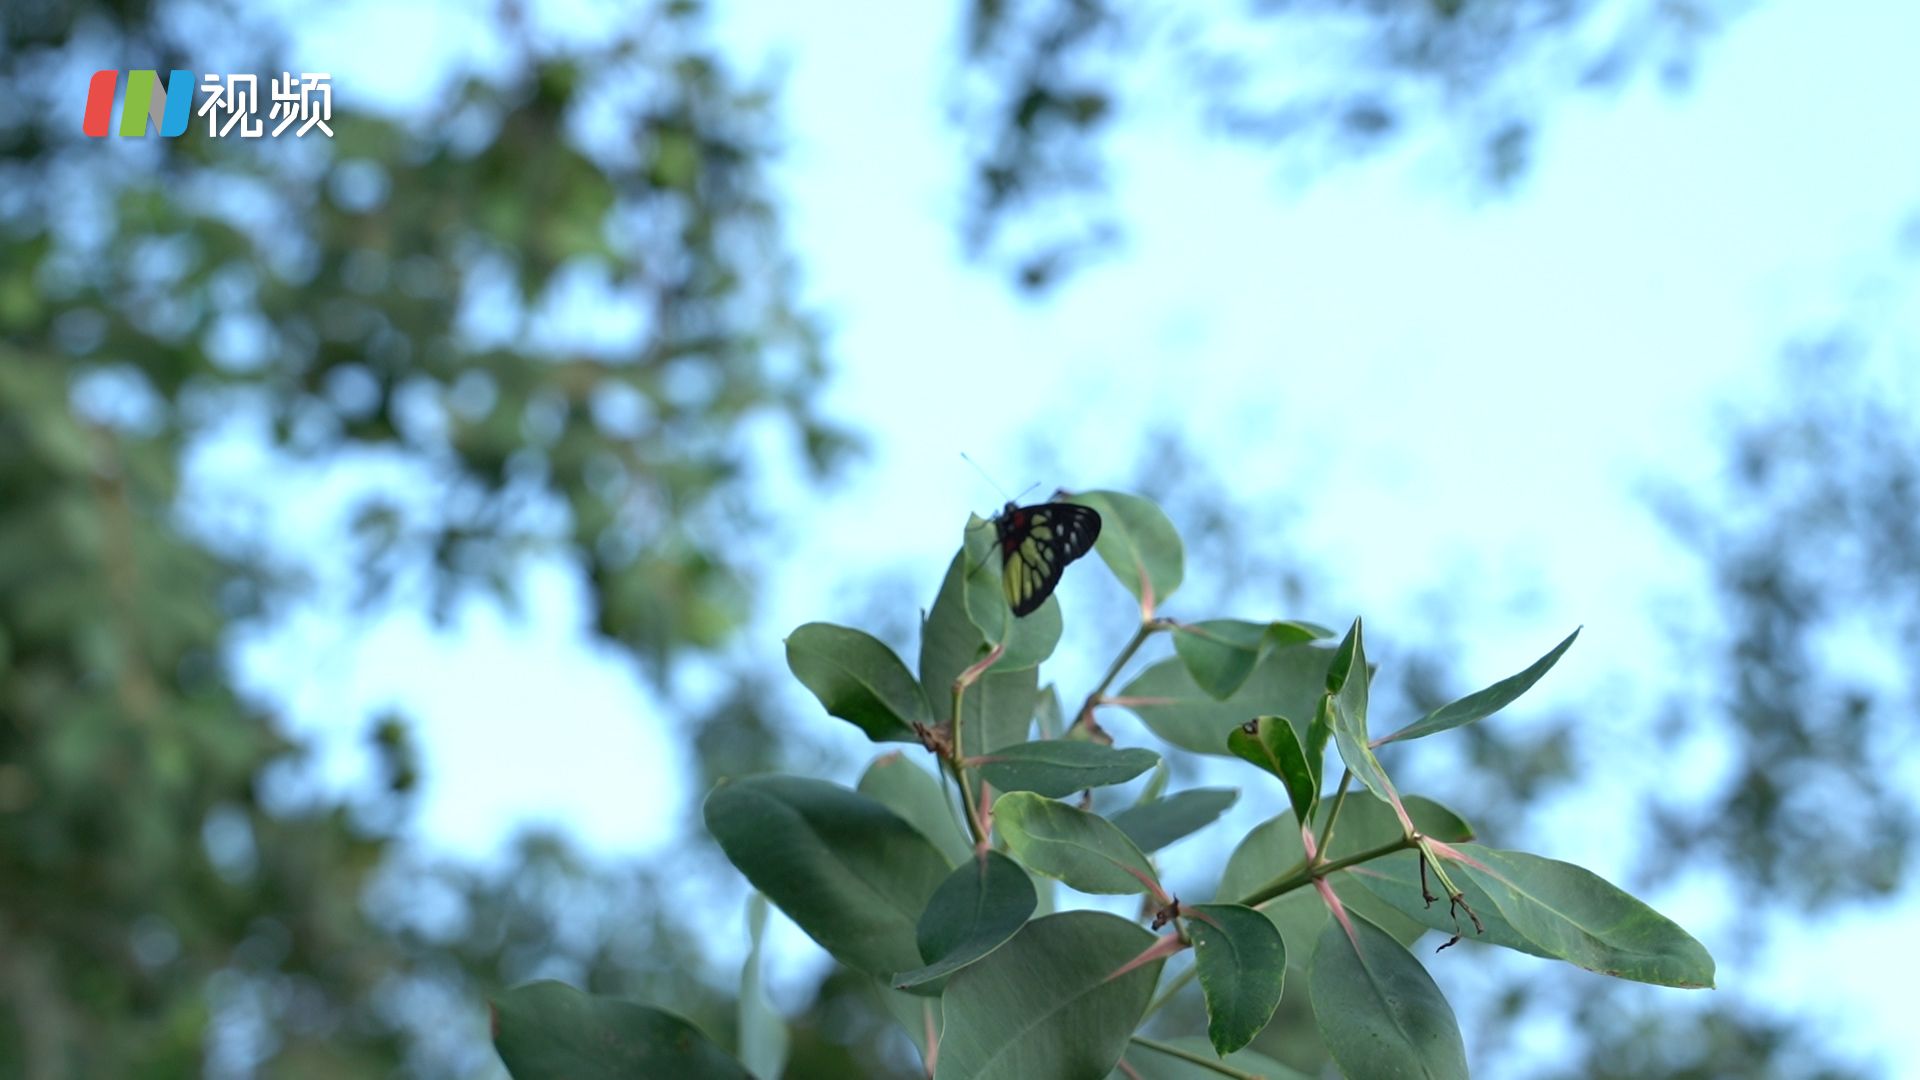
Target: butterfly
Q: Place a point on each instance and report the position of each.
(1036, 544)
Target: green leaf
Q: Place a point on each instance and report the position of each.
(1295, 631)
(1273, 848)
(1347, 679)
(763, 1033)
(1155, 785)
(858, 679)
(1351, 651)
(916, 795)
(1584, 919)
(1482, 703)
(1048, 716)
(1190, 1057)
(1028, 639)
(1138, 544)
(1221, 653)
(1086, 851)
(999, 710)
(850, 872)
(1000, 705)
(1286, 682)
(1396, 880)
(549, 1029)
(1044, 887)
(1049, 1003)
(949, 644)
(1154, 824)
(1378, 1010)
(1241, 962)
(1319, 731)
(1274, 746)
(1284, 632)
(1057, 768)
(981, 905)
(1299, 917)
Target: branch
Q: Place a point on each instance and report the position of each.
(1203, 1061)
(1308, 874)
(957, 759)
(1147, 628)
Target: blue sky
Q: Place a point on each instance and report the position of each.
(1462, 395)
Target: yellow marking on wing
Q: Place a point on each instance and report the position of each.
(1033, 554)
(1015, 580)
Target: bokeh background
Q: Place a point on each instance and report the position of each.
(397, 531)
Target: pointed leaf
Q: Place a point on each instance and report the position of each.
(550, 1029)
(850, 872)
(1048, 716)
(1084, 850)
(1241, 963)
(1378, 1010)
(1050, 1003)
(1295, 632)
(1221, 653)
(763, 1032)
(981, 905)
(1347, 695)
(858, 679)
(1319, 731)
(1286, 682)
(1482, 703)
(1273, 746)
(1137, 543)
(1351, 655)
(1155, 824)
(1396, 880)
(1582, 918)
(1057, 768)
(1155, 785)
(916, 795)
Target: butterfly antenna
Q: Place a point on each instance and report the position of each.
(984, 476)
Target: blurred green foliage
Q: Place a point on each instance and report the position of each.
(432, 294)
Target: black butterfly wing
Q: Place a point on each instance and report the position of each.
(1036, 544)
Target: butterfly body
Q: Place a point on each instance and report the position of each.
(1036, 544)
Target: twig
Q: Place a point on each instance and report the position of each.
(1213, 1064)
(1333, 812)
(1147, 628)
(1308, 874)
